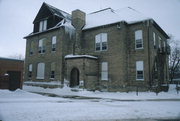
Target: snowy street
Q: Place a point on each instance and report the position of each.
(21, 105)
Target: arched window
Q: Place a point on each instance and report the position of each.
(40, 70)
(101, 42)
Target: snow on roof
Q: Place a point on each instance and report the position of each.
(110, 16)
(79, 56)
(11, 59)
(58, 12)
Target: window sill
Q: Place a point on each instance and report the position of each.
(100, 50)
(139, 79)
(39, 77)
(139, 48)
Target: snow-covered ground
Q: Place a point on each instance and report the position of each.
(21, 105)
(172, 94)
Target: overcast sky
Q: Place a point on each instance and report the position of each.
(16, 17)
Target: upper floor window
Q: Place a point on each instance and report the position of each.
(52, 76)
(54, 43)
(30, 71)
(164, 45)
(138, 39)
(101, 42)
(31, 48)
(41, 48)
(42, 25)
(139, 70)
(160, 42)
(104, 71)
(40, 70)
(154, 38)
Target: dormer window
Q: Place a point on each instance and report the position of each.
(42, 25)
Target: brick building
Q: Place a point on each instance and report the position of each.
(110, 50)
(11, 73)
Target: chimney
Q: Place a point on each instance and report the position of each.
(78, 21)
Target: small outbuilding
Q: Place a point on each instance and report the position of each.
(11, 73)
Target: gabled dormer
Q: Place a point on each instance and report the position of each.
(48, 17)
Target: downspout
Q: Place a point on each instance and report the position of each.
(148, 24)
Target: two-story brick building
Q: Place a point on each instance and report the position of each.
(111, 50)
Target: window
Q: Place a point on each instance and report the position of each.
(54, 43)
(40, 70)
(43, 25)
(160, 42)
(101, 42)
(164, 45)
(138, 39)
(104, 71)
(154, 38)
(52, 76)
(41, 46)
(139, 70)
(31, 48)
(30, 71)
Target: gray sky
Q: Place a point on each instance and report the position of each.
(16, 17)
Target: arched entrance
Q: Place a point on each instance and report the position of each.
(74, 77)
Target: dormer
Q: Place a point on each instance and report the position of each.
(48, 17)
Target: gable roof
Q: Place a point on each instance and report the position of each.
(52, 10)
(110, 16)
(58, 12)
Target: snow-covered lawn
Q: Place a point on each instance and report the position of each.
(21, 105)
(66, 91)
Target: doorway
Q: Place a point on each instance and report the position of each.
(14, 80)
(74, 80)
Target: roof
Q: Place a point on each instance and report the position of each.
(58, 12)
(10, 59)
(100, 18)
(110, 16)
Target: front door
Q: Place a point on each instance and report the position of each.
(14, 79)
(74, 77)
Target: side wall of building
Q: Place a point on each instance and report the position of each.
(62, 48)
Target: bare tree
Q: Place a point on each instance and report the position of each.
(174, 58)
(17, 56)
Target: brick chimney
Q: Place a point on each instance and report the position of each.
(78, 21)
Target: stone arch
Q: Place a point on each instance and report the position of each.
(74, 77)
